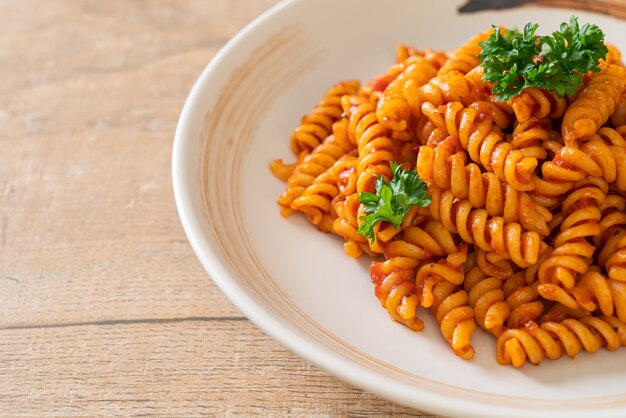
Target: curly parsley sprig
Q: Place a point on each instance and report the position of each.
(514, 61)
(392, 200)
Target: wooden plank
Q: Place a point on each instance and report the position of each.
(175, 368)
(88, 227)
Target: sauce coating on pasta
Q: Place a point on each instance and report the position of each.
(524, 230)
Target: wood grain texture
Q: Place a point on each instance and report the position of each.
(181, 367)
(104, 308)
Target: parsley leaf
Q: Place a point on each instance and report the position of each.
(392, 200)
(513, 61)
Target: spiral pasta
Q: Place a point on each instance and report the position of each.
(346, 225)
(409, 63)
(486, 297)
(444, 169)
(612, 226)
(558, 313)
(614, 56)
(490, 234)
(459, 78)
(595, 292)
(438, 289)
(453, 87)
(523, 230)
(433, 240)
(572, 250)
(317, 125)
(551, 339)
(524, 302)
(393, 283)
(569, 166)
(618, 118)
(522, 295)
(420, 239)
(607, 147)
(493, 265)
(533, 102)
(534, 137)
(593, 107)
(376, 147)
(315, 164)
(478, 130)
(393, 111)
(465, 58)
(316, 201)
(614, 260)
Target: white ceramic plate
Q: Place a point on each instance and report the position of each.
(296, 283)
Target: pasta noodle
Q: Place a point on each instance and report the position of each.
(452, 87)
(374, 144)
(316, 201)
(393, 111)
(503, 212)
(346, 225)
(594, 105)
(491, 264)
(443, 169)
(316, 126)
(595, 292)
(532, 136)
(487, 299)
(458, 79)
(533, 102)
(491, 234)
(422, 244)
(464, 58)
(571, 250)
(478, 128)
(553, 339)
(438, 287)
(314, 164)
(522, 295)
(394, 287)
(615, 261)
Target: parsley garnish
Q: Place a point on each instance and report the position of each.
(392, 200)
(514, 61)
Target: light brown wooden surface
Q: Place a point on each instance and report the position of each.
(104, 308)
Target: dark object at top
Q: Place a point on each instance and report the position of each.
(473, 6)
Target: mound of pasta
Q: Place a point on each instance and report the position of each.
(488, 184)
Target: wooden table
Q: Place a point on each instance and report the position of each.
(104, 308)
